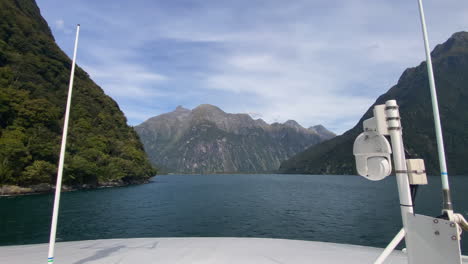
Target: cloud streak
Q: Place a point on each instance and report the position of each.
(313, 61)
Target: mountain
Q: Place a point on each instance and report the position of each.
(34, 76)
(450, 61)
(323, 132)
(208, 140)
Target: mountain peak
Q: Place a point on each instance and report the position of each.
(460, 36)
(322, 131)
(317, 127)
(209, 140)
(180, 108)
(293, 124)
(456, 44)
(208, 107)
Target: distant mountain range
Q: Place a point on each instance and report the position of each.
(450, 61)
(208, 140)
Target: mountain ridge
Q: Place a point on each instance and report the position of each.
(450, 61)
(242, 144)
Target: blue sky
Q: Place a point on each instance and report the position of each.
(315, 61)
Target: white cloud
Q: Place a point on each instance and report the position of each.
(260, 62)
(313, 61)
(126, 80)
(117, 72)
(60, 24)
(126, 73)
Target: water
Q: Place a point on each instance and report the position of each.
(342, 209)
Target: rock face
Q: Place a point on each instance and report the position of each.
(208, 140)
(450, 61)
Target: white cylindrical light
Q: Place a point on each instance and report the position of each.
(378, 168)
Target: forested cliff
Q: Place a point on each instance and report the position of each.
(34, 76)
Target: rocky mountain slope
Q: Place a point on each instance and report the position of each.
(208, 140)
(34, 74)
(450, 61)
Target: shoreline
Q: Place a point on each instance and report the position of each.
(43, 188)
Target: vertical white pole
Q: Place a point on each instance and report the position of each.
(447, 203)
(58, 187)
(396, 136)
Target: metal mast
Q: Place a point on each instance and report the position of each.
(58, 187)
(447, 201)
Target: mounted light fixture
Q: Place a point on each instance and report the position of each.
(372, 150)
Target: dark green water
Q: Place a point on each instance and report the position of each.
(342, 209)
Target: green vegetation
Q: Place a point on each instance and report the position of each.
(450, 60)
(34, 76)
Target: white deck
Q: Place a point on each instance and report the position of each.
(195, 250)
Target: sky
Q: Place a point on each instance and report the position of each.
(314, 61)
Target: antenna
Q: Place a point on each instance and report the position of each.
(447, 200)
(372, 152)
(58, 186)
